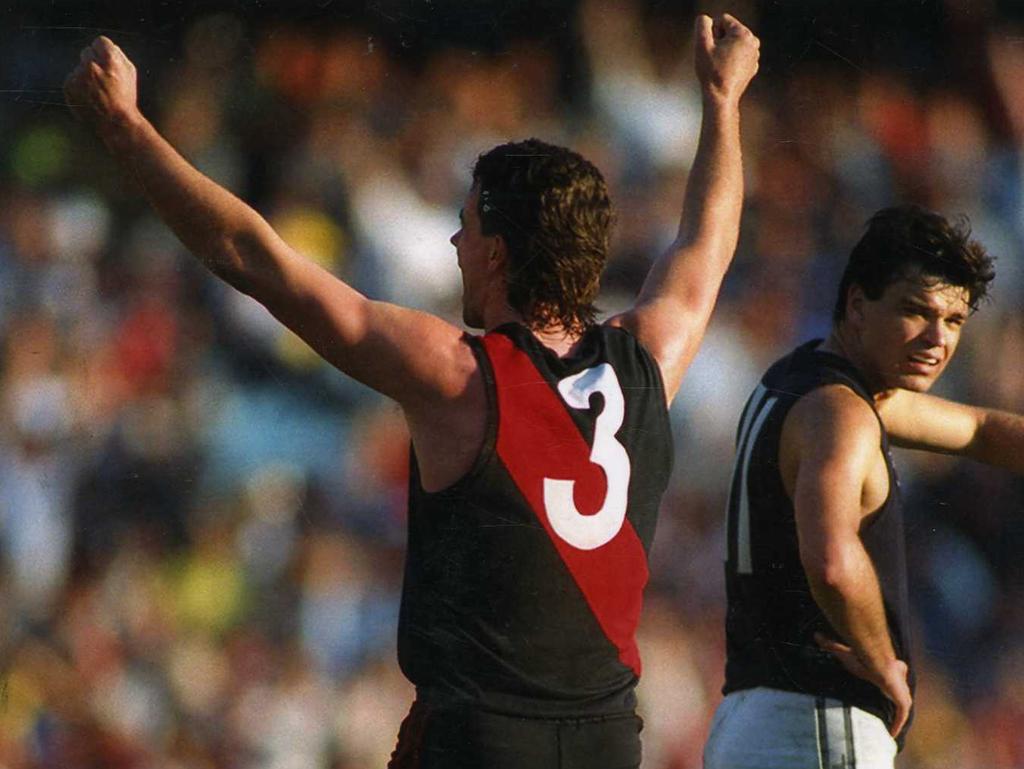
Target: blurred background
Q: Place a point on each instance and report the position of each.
(201, 525)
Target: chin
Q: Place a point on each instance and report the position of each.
(917, 383)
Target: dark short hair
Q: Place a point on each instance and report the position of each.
(552, 208)
(907, 241)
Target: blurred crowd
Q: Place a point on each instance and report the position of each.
(201, 524)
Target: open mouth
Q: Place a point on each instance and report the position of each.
(924, 362)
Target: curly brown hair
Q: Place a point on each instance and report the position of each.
(906, 240)
(551, 206)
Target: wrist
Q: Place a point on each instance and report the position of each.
(720, 109)
(720, 104)
(119, 130)
(888, 669)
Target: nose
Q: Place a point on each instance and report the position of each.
(935, 333)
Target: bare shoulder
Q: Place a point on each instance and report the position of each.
(418, 359)
(440, 356)
(618, 321)
(627, 321)
(831, 421)
(658, 335)
(830, 444)
(448, 429)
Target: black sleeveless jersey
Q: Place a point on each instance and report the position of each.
(523, 580)
(772, 616)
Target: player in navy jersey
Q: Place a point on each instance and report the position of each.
(818, 670)
(540, 449)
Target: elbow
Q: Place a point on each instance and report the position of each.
(235, 261)
(229, 273)
(832, 570)
(226, 260)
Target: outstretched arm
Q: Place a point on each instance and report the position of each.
(408, 355)
(926, 422)
(829, 447)
(677, 298)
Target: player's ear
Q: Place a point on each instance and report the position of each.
(855, 299)
(498, 257)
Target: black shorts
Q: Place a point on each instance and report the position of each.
(461, 738)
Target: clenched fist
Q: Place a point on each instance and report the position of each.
(101, 90)
(726, 56)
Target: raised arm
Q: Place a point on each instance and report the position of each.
(677, 298)
(411, 356)
(832, 462)
(929, 423)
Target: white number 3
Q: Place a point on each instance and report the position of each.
(588, 532)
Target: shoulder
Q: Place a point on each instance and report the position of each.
(833, 414)
(899, 406)
(621, 341)
(453, 360)
(629, 350)
(830, 444)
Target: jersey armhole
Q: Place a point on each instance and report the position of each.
(664, 407)
(883, 442)
(486, 452)
(780, 413)
(650, 362)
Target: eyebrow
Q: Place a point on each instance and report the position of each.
(923, 305)
(913, 301)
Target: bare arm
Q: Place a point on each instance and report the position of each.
(410, 356)
(679, 293)
(929, 423)
(830, 447)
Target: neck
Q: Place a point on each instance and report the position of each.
(555, 337)
(844, 343)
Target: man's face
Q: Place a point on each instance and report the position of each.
(473, 250)
(909, 334)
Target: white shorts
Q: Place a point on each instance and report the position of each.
(772, 729)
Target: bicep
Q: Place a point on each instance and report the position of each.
(826, 504)
(926, 422)
(834, 439)
(671, 329)
(405, 354)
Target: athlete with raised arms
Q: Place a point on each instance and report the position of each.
(540, 449)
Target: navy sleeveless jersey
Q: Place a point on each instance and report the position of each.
(772, 616)
(523, 580)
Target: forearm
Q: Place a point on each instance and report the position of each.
(999, 440)
(851, 599)
(676, 300)
(709, 225)
(714, 191)
(929, 423)
(224, 233)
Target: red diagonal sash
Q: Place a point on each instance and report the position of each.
(537, 438)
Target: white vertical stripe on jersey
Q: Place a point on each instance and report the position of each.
(744, 563)
(749, 412)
